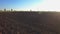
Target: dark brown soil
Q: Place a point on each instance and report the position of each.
(29, 23)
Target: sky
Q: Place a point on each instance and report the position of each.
(36, 5)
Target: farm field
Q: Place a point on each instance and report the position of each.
(30, 22)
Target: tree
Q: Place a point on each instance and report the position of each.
(11, 9)
(5, 9)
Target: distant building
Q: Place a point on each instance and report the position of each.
(4, 9)
(11, 9)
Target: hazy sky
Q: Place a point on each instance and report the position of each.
(43, 5)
